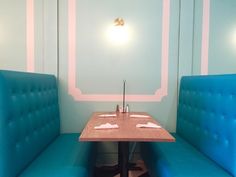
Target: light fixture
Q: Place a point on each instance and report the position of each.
(118, 33)
(119, 22)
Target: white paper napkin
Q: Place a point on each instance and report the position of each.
(106, 126)
(107, 115)
(148, 125)
(138, 115)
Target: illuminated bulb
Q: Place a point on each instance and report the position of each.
(118, 33)
(234, 38)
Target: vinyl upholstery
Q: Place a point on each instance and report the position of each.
(207, 117)
(206, 124)
(29, 119)
(64, 157)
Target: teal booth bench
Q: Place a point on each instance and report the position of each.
(30, 141)
(206, 131)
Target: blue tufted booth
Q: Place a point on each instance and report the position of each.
(30, 141)
(206, 131)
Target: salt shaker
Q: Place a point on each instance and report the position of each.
(127, 108)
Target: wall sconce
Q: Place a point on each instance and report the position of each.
(119, 22)
(118, 33)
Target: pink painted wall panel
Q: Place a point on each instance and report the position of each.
(76, 92)
(30, 35)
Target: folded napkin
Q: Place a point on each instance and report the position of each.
(106, 126)
(148, 125)
(107, 115)
(139, 115)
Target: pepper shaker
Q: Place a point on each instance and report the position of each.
(117, 108)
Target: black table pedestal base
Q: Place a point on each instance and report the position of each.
(124, 159)
(110, 171)
(123, 166)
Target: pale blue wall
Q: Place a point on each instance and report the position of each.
(13, 50)
(186, 37)
(222, 43)
(101, 67)
(12, 35)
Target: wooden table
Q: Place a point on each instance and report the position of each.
(127, 132)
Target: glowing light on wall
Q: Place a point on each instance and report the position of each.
(118, 33)
(1, 34)
(234, 38)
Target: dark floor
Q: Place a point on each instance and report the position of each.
(139, 170)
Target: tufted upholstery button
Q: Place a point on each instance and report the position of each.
(10, 123)
(226, 142)
(222, 117)
(36, 132)
(18, 145)
(206, 132)
(30, 105)
(211, 113)
(215, 136)
(207, 114)
(27, 138)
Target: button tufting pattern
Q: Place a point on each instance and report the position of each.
(208, 103)
(29, 118)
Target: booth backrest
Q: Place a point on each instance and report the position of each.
(207, 116)
(29, 118)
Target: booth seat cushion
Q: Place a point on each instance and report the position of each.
(65, 157)
(179, 159)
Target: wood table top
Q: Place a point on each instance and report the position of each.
(127, 130)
